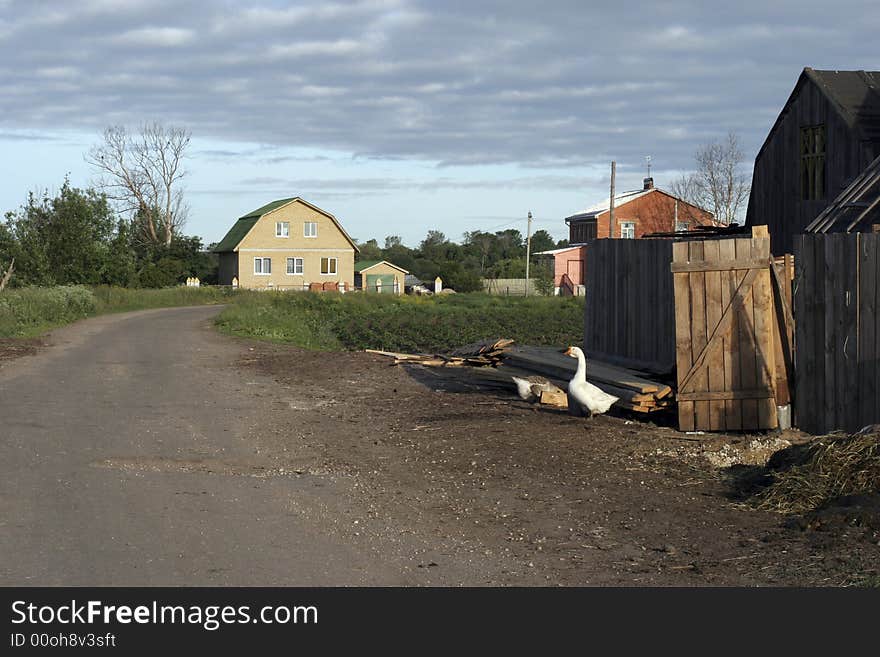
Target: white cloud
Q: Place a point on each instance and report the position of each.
(161, 37)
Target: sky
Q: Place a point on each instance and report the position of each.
(404, 116)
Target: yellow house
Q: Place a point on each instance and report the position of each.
(379, 276)
(288, 244)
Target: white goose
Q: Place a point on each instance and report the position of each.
(591, 398)
(530, 388)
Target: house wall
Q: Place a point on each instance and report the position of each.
(227, 268)
(775, 198)
(262, 242)
(383, 270)
(571, 262)
(651, 213)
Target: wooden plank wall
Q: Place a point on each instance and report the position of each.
(837, 335)
(630, 315)
(725, 334)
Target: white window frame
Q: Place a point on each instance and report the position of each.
(682, 226)
(282, 229)
(296, 261)
(627, 230)
(263, 262)
(334, 268)
(310, 229)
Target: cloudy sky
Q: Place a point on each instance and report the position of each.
(401, 116)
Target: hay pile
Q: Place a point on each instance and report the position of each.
(811, 476)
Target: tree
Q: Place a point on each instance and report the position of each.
(718, 184)
(62, 240)
(369, 250)
(392, 241)
(142, 174)
(542, 241)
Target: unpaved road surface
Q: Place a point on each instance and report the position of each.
(146, 449)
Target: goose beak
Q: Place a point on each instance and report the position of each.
(567, 352)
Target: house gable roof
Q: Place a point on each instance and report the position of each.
(364, 265)
(620, 200)
(243, 226)
(855, 95)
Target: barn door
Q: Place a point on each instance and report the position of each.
(724, 314)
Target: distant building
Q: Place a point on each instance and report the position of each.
(568, 268)
(288, 244)
(379, 276)
(827, 133)
(636, 213)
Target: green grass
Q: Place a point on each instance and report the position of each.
(28, 312)
(408, 324)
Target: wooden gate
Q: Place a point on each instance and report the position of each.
(725, 334)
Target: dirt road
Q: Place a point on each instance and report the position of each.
(147, 449)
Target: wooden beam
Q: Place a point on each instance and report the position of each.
(718, 265)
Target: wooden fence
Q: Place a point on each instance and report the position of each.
(629, 316)
(730, 357)
(837, 339)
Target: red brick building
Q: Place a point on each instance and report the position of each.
(637, 213)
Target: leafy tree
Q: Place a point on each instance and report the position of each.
(369, 250)
(393, 241)
(62, 240)
(542, 241)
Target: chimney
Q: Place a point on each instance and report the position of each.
(649, 184)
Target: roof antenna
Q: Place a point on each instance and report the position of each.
(648, 162)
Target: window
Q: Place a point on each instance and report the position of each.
(263, 266)
(310, 229)
(681, 226)
(813, 162)
(282, 229)
(627, 230)
(328, 265)
(294, 265)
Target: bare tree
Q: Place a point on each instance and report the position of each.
(142, 174)
(5, 279)
(718, 184)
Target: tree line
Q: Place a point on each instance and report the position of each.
(462, 267)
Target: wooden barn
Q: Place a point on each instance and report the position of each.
(827, 133)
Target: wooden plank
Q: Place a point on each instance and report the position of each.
(758, 393)
(804, 363)
(747, 346)
(847, 373)
(699, 334)
(830, 316)
(764, 320)
(782, 330)
(732, 410)
(714, 311)
(868, 355)
(683, 346)
(719, 265)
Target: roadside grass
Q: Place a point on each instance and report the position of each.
(398, 323)
(31, 311)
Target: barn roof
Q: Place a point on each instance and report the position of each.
(854, 94)
(244, 224)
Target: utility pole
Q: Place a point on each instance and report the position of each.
(528, 250)
(611, 202)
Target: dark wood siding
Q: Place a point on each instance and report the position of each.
(776, 184)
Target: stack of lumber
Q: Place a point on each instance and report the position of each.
(480, 354)
(636, 393)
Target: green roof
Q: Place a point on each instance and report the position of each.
(241, 227)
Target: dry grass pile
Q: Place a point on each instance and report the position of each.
(811, 476)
